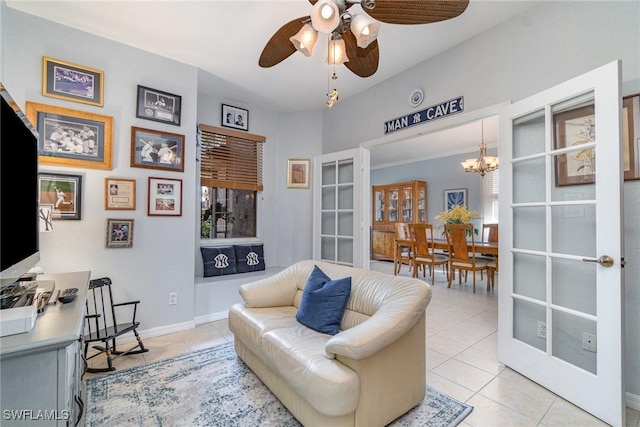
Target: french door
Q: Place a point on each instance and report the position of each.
(340, 224)
(561, 308)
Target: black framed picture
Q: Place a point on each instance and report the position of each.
(234, 117)
(158, 106)
(63, 192)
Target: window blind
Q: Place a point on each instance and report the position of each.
(230, 159)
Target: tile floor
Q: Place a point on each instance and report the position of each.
(461, 360)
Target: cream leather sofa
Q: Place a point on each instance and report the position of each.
(370, 373)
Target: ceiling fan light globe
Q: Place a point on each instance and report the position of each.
(365, 30)
(325, 16)
(305, 40)
(337, 53)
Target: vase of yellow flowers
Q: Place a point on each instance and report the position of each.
(459, 214)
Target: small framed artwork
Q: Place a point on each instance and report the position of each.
(119, 194)
(455, 197)
(298, 172)
(631, 136)
(73, 82)
(71, 137)
(165, 197)
(234, 117)
(119, 233)
(573, 128)
(63, 191)
(158, 106)
(45, 217)
(153, 149)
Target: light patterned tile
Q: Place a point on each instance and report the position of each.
(446, 386)
(435, 358)
(530, 399)
(445, 345)
(463, 374)
(633, 418)
(487, 413)
(566, 414)
(482, 360)
(469, 333)
(488, 345)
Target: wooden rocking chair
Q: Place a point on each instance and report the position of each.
(102, 324)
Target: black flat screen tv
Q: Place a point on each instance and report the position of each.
(19, 249)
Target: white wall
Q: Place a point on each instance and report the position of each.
(545, 46)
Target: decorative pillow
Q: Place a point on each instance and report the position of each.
(249, 258)
(219, 261)
(323, 302)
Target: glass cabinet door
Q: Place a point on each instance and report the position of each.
(393, 204)
(407, 204)
(422, 208)
(378, 205)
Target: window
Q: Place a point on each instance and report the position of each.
(490, 190)
(230, 182)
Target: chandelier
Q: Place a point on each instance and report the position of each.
(482, 164)
(331, 18)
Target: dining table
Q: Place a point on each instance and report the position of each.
(480, 247)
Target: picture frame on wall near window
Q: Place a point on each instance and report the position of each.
(155, 149)
(165, 197)
(71, 137)
(72, 82)
(455, 197)
(298, 173)
(235, 117)
(63, 191)
(159, 106)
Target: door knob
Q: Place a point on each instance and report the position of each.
(604, 260)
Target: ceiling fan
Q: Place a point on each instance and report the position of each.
(353, 37)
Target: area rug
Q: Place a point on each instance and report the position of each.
(213, 387)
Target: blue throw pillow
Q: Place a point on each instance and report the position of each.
(249, 258)
(323, 302)
(219, 261)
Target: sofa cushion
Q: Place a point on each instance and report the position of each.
(297, 355)
(323, 302)
(252, 323)
(219, 260)
(249, 258)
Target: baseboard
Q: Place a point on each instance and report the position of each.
(159, 331)
(633, 401)
(221, 315)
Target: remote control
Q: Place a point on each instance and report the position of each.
(67, 295)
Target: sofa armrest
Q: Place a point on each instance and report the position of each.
(275, 291)
(380, 330)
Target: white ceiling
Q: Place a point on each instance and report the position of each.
(225, 38)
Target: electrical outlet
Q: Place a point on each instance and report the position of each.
(589, 342)
(173, 298)
(542, 330)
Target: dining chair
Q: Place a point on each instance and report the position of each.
(492, 269)
(459, 250)
(489, 234)
(402, 251)
(423, 253)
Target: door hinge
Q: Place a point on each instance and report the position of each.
(622, 262)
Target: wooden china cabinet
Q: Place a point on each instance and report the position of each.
(392, 203)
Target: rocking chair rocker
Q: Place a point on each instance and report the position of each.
(103, 327)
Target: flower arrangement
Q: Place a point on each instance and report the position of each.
(457, 215)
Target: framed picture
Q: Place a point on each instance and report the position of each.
(631, 136)
(165, 197)
(71, 137)
(119, 233)
(298, 172)
(158, 106)
(73, 82)
(45, 218)
(153, 149)
(234, 117)
(573, 128)
(63, 191)
(455, 197)
(119, 194)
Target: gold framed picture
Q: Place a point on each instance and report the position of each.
(298, 173)
(119, 194)
(73, 82)
(71, 137)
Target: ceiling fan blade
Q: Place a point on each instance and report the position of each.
(416, 11)
(362, 62)
(279, 47)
